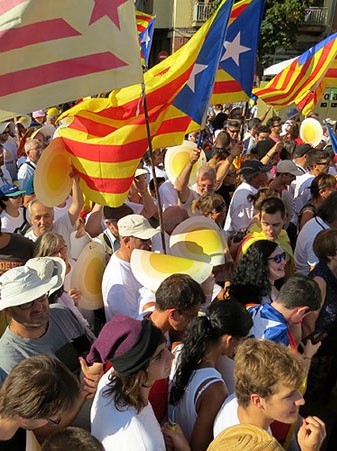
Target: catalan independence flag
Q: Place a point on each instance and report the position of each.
(106, 137)
(235, 76)
(56, 51)
(303, 82)
(145, 28)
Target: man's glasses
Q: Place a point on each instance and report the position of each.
(234, 131)
(29, 305)
(279, 257)
(323, 163)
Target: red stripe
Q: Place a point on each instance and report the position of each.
(58, 71)
(106, 153)
(307, 74)
(85, 125)
(154, 100)
(173, 125)
(112, 185)
(226, 87)
(331, 73)
(303, 78)
(48, 30)
(237, 10)
(7, 5)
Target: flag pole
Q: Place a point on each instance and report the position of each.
(155, 182)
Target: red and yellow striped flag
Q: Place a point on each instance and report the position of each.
(303, 82)
(107, 137)
(56, 51)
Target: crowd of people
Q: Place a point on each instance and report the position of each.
(198, 349)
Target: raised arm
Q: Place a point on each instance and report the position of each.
(224, 167)
(181, 183)
(77, 203)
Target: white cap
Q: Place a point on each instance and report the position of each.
(137, 226)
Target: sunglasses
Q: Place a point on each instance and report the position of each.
(279, 257)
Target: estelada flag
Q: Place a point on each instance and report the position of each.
(235, 76)
(304, 80)
(56, 51)
(145, 28)
(107, 137)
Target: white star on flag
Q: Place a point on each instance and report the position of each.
(146, 39)
(197, 68)
(234, 49)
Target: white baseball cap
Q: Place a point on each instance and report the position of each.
(137, 226)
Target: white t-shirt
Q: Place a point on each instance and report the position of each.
(302, 194)
(168, 195)
(240, 211)
(5, 177)
(304, 253)
(124, 430)
(9, 223)
(120, 289)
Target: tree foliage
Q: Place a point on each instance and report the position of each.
(280, 23)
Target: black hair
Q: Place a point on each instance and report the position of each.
(270, 122)
(251, 278)
(272, 205)
(222, 317)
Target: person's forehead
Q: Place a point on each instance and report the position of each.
(281, 389)
(38, 209)
(275, 217)
(206, 180)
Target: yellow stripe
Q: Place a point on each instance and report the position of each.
(105, 170)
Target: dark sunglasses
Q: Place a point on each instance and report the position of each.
(279, 257)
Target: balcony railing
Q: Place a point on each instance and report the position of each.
(316, 16)
(201, 12)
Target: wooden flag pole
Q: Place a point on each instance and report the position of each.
(155, 182)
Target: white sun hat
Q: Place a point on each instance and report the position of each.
(24, 284)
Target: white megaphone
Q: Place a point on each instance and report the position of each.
(311, 131)
(176, 159)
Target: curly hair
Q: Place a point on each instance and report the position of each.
(222, 317)
(251, 278)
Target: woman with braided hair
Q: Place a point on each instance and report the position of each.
(198, 389)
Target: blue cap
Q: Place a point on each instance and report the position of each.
(11, 191)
